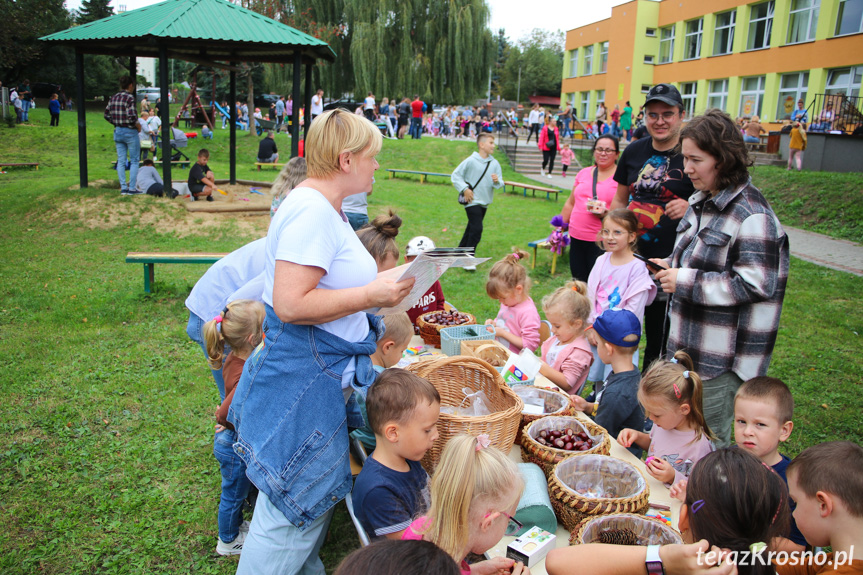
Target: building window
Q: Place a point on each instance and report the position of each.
(717, 94)
(645, 88)
(648, 59)
(573, 63)
(692, 39)
(650, 32)
(752, 96)
(802, 20)
(792, 87)
(844, 81)
(850, 18)
(723, 38)
(587, 70)
(760, 26)
(689, 91)
(666, 45)
(584, 110)
(600, 97)
(603, 57)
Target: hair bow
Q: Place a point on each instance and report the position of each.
(482, 441)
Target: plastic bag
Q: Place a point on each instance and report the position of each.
(473, 404)
(521, 368)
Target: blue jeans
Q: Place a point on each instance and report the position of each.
(235, 485)
(195, 332)
(566, 130)
(25, 110)
(275, 547)
(416, 128)
(127, 142)
(357, 220)
(751, 139)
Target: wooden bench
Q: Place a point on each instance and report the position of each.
(542, 243)
(259, 165)
(20, 165)
(533, 189)
(149, 259)
(422, 175)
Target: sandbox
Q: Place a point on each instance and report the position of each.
(246, 196)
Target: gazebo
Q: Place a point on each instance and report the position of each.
(214, 33)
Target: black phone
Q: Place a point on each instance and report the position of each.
(653, 267)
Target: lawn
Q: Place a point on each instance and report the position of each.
(106, 434)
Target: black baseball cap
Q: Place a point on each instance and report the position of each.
(665, 93)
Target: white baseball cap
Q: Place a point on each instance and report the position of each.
(419, 245)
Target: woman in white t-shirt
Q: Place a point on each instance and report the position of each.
(369, 107)
(289, 408)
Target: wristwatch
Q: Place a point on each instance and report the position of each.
(653, 562)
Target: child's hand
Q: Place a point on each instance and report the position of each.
(494, 566)
(580, 403)
(661, 470)
(678, 490)
(489, 322)
(591, 337)
(627, 437)
(220, 428)
(520, 569)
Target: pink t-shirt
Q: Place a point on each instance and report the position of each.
(582, 224)
(624, 287)
(678, 449)
(412, 533)
(572, 360)
(522, 320)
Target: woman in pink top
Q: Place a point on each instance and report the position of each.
(585, 221)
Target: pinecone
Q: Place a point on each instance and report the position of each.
(618, 537)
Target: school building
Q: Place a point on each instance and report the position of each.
(747, 58)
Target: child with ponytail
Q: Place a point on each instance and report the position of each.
(378, 237)
(475, 490)
(671, 393)
(517, 322)
(566, 354)
(239, 326)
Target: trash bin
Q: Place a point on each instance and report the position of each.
(773, 142)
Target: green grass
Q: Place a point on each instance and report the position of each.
(106, 434)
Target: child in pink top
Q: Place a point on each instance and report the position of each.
(566, 354)
(618, 279)
(566, 156)
(671, 393)
(517, 322)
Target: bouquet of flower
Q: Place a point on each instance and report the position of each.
(559, 238)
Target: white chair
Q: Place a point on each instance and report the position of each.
(364, 538)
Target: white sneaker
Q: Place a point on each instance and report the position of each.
(469, 268)
(542, 171)
(235, 547)
(549, 176)
(244, 527)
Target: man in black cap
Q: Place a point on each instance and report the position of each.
(651, 183)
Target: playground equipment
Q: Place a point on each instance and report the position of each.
(199, 113)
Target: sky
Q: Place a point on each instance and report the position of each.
(517, 17)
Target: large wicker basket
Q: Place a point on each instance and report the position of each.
(555, 403)
(430, 332)
(624, 528)
(546, 456)
(624, 489)
(450, 375)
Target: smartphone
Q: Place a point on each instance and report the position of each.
(650, 265)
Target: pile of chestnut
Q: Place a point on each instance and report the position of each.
(568, 439)
(447, 318)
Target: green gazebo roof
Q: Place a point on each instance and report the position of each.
(210, 30)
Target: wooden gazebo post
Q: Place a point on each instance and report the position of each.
(295, 112)
(232, 108)
(82, 119)
(165, 116)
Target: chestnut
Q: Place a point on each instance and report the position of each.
(543, 434)
(559, 443)
(568, 446)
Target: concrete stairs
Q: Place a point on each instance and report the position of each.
(765, 159)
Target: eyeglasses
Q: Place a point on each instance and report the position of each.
(514, 525)
(615, 233)
(665, 116)
(605, 151)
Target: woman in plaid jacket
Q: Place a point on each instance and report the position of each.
(728, 270)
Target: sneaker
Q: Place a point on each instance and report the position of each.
(235, 547)
(542, 171)
(125, 193)
(549, 176)
(244, 527)
(469, 268)
(134, 193)
(209, 198)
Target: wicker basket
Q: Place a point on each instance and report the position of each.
(452, 337)
(491, 351)
(555, 403)
(643, 530)
(625, 488)
(449, 375)
(430, 332)
(546, 456)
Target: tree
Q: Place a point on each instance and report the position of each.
(539, 56)
(92, 10)
(22, 23)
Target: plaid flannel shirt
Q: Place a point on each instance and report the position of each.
(732, 256)
(120, 110)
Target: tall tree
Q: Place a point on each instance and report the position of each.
(539, 58)
(92, 10)
(22, 23)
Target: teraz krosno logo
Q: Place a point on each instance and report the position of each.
(759, 555)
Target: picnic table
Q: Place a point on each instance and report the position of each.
(542, 243)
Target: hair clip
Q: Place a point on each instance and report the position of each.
(673, 360)
(677, 393)
(482, 441)
(218, 319)
(225, 311)
(685, 374)
(696, 506)
(516, 255)
(757, 547)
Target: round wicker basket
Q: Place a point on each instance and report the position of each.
(624, 488)
(450, 375)
(624, 529)
(430, 332)
(554, 402)
(546, 456)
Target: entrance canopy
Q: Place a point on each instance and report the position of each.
(214, 33)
